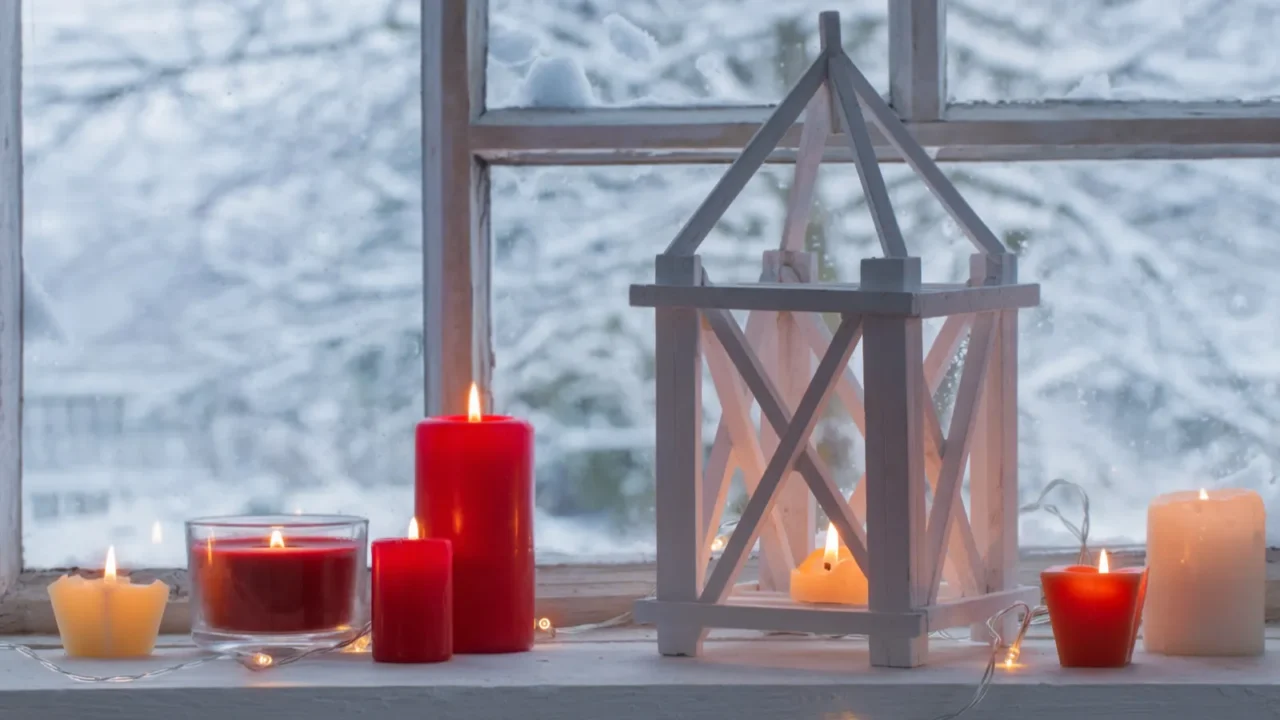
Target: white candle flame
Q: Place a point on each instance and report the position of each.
(1103, 565)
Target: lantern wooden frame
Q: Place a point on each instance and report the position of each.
(907, 544)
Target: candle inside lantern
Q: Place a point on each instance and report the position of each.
(1095, 612)
(412, 599)
(108, 617)
(829, 575)
(474, 488)
(1206, 552)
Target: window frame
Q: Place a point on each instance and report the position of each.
(463, 139)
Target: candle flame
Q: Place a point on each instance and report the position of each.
(832, 552)
(157, 533)
(414, 533)
(1103, 565)
(277, 540)
(109, 570)
(1203, 495)
(473, 404)
(208, 547)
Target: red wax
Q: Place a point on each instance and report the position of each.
(474, 487)
(412, 601)
(246, 586)
(1095, 615)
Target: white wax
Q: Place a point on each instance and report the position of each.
(1207, 571)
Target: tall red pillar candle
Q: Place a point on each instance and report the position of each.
(1095, 612)
(474, 487)
(412, 599)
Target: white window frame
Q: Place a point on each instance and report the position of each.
(462, 140)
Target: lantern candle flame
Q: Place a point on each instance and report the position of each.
(1103, 565)
(277, 540)
(1203, 495)
(414, 533)
(831, 554)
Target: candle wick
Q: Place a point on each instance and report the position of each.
(826, 566)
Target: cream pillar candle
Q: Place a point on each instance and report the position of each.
(108, 617)
(1206, 584)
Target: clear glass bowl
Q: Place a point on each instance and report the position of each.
(262, 583)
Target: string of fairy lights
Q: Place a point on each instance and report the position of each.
(1004, 651)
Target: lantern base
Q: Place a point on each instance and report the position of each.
(220, 641)
(683, 625)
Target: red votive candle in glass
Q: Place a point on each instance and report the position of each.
(412, 599)
(279, 581)
(474, 487)
(1095, 612)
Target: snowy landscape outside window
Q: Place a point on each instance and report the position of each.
(223, 254)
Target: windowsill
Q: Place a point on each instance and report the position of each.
(618, 674)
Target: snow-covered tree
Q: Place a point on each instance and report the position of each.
(232, 187)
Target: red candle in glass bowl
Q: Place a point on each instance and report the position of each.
(1095, 612)
(412, 599)
(474, 488)
(276, 581)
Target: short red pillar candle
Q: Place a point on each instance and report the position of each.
(412, 599)
(1095, 612)
(474, 487)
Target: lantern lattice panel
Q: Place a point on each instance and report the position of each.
(931, 563)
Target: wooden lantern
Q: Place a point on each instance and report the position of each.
(904, 544)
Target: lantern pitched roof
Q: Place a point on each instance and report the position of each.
(834, 81)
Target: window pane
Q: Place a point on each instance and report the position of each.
(1113, 49)
(586, 53)
(223, 267)
(1150, 366)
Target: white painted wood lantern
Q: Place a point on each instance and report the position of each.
(905, 524)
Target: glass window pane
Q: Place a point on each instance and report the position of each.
(587, 53)
(1112, 50)
(1149, 367)
(223, 267)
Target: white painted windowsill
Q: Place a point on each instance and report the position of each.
(618, 675)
